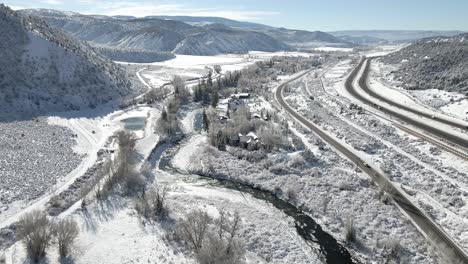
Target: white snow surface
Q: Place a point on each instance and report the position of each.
(330, 49)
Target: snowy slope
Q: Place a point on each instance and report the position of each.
(44, 69)
(159, 34)
(433, 63)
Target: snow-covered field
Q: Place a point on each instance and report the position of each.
(34, 157)
(199, 62)
(331, 49)
(189, 67)
(267, 55)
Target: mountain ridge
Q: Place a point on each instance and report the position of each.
(51, 71)
(167, 34)
(433, 63)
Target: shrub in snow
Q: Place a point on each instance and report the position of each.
(65, 231)
(252, 156)
(152, 204)
(279, 169)
(213, 240)
(392, 249)
(350, 230)
(34, 229)
(297, 162)
(345, 186)
(291, 194)
(2, 258)
(309, 156)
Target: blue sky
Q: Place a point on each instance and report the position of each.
(325, 15)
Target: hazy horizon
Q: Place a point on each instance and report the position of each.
(300, 14)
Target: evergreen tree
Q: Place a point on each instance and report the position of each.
(209, 79)
(214, 97)
(164, 115)
(205, 121)
(220, 142)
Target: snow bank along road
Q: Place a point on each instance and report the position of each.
(423, 222)
(454, 139)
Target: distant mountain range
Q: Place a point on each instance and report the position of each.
(44, 69)
(378, 37)
(433, 63)
(183, 35)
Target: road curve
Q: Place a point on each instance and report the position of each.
(372, 93)
(453, 139)
(418, 217)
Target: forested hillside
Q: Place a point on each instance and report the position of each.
(44, 69)
(433, 63)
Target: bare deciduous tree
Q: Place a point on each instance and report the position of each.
(152, 204)
(221, 245)
(213, 240)
(66, 231)
(194, 228)
(34, 228)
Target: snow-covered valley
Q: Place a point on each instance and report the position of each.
(257, 157)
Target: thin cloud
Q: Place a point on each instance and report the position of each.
(144, 8)
(15, 7)
(52, 2)
(141, 9)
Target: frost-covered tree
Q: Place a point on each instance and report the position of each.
(66, 231)
(34, 229)
(205, 121)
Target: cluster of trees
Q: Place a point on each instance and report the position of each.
(152, 204)
(271, 133)
(122, 171)
(212, 240)
(253, 78)
(181, 92)
(168, 125)
(208, 91)
(38, 232)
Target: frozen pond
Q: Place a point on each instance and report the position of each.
(134, 123)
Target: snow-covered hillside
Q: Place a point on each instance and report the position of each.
(44, 69)
(433, 63)
(159, 34)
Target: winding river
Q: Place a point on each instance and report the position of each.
(333, 251)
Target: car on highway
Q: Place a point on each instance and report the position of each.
(366, 165)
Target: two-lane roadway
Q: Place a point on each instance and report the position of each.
(418, 217)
